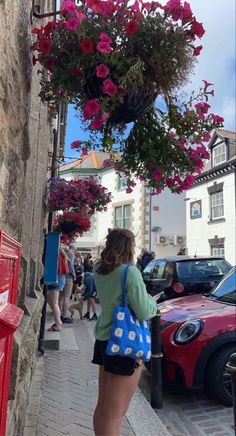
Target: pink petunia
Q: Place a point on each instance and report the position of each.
(105, 38)
(68, 6)
(206, 84)
(104, 47)
(75, 144)
(92, 107)
(104, 117)
(131, 27)
(106, 163)
(197, 50)
(96, 124)
(80, 16)
(72, 23)
(157, 175)
(109, 87)
(84, 152)
(102, 71)
(207, 137)
(128, 190)
(217, 118)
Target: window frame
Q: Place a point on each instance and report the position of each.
(214, 206)
(216, 253)
(224, 153)
(122, 219)
(122, 181)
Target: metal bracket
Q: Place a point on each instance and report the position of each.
(35, 12)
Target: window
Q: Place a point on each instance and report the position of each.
(219, 154)
(218, 251)
(123, 216)
(217, 205)
(122, 181)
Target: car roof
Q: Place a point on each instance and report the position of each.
(182, 258)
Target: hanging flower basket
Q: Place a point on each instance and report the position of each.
(79, 195)
(119, 62)
(72, 223)
(107, 56)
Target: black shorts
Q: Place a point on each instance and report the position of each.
(119, 365)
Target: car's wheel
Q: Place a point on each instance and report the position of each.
(218, 379)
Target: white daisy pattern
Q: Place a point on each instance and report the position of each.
(118, 332)
(128, 350)
(141, 337)
(145, 324)
(115, 348)
(132, 320)
(132, 335)
(120, 316)
(137, 322)
(148, 339)
(139, 353)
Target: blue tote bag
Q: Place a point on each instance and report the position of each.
(129, 337)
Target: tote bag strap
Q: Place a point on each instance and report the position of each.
(123, 283)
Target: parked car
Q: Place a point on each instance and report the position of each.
(182, 275)
(198, 336)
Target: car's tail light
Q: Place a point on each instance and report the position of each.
(178, 287)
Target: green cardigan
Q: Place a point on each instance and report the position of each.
(110, 295)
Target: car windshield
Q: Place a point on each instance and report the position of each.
(202, 269)
(226, 289)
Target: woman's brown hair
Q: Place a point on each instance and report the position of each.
(118, 250)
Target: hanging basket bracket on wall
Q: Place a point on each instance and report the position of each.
(35, 12)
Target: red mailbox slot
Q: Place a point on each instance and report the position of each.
(10, 315)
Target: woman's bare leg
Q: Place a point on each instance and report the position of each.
(93, 304)
(115, 393)
(53, 303)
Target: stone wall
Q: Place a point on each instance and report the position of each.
(25, 139)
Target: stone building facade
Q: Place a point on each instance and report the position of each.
(25, 140)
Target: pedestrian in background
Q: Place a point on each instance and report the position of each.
(64, 297)
(90, 294)
(55, 291)
(88, 263)
(144, 258)
(118, 375)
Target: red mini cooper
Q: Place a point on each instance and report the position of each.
(198, 336)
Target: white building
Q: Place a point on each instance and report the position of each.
(133, 210)
(210, 212)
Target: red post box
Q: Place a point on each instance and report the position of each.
(10, 315)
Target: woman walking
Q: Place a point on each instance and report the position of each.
(118, 375)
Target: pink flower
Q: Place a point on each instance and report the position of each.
(157, 175)
(72, 23)
(96, 124)
(102, 71)
(109, 87)
(206, 84)
(86, 45)
(92, 107)
(104, 117)
(186, 13)
(75, 144)
(80, 16)
(86, 114)
(201, 117)
(68, 6)
(104, 47)
(202, 107)
(197, 50)
(106, 163)
(131, 27)
(84, 152)
(207, 137)
(217, 118)
(197, 29)
(172, 134)
(129, 190)
(105, 38)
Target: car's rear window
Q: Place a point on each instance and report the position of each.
(202, 269)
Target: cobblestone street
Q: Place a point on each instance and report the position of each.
(64, 391)
(188, 413)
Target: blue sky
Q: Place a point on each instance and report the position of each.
(215, 64)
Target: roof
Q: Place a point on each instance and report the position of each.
(226, 133)
(182, 258)
(93, 160)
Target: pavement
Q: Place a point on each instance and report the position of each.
(64, 387)
(64, 391)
